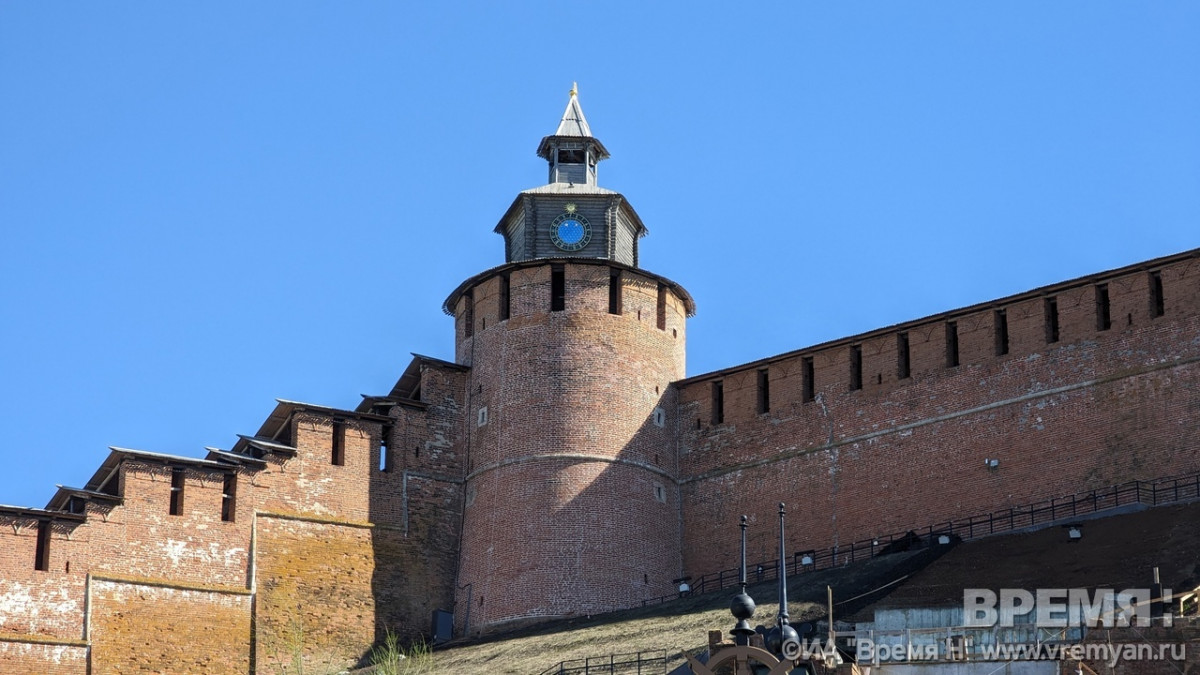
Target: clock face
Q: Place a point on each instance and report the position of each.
(570, 231)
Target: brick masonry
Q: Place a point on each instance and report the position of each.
(572, 507)
(562, 467)
(318, 562)
(1095, 408)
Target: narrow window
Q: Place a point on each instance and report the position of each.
(229, 498)
(1103, 320)
(662, 307)
(807, 380)
(902, 366)
(614, 291)
(481, 417)
(951, 344)
(505, 303)
(855, 367)
(660, 493)
(176, 491)
(558, 289)
(1157, 305)
(385, 450)
(339, 444)
(764, 391)
(1000, 324)
(469, 314)
(718, 402)
(660, 417)
(1050, 308)
(41, 561)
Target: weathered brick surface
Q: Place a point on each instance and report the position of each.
(596, 475)
(315, 594)
(571, 504)
(150, 629)
(328, 591)
(1096, 408)
(37, 603)
(20, 658)
(141, 538)
(392, 575)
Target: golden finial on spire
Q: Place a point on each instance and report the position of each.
(574, 88)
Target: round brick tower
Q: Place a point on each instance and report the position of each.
(571, 505)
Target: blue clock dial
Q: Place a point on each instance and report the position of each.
(570, 231)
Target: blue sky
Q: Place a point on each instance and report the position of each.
(206, 206)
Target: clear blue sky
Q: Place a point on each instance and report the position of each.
(206, 206)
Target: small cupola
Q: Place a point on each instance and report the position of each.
(572, 151)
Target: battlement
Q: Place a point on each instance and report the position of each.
(1062, 388)
(1020, 325)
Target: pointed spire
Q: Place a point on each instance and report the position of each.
(572, 151)
(573, 122)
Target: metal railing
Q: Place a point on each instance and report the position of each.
(632, 663)
(1153, 493)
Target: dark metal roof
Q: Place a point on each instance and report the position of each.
(448, 306)
(63, 495)
(40, 514)
(278, 419)
(219, 455)
(266, 445)
(406, 391)
(296, 406)
(108, 468)
(163, 458)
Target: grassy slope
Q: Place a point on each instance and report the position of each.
(675, 627)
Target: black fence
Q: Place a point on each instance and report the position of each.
(1153, 493)
(634, 663)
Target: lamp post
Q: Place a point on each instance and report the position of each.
(780, 639)
(742, 605)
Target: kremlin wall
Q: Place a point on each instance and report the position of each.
(563, 463)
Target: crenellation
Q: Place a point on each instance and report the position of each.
(564, 465)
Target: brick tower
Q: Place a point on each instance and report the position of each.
(571, 502)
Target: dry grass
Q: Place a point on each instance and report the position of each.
(676, 627)
(531, 654)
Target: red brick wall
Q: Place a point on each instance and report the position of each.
(139, 628)
(178, 601)
(571, 499)
(141, 538)
(43, 659)
(562, 513)
(39, 603)
(1095, 408)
